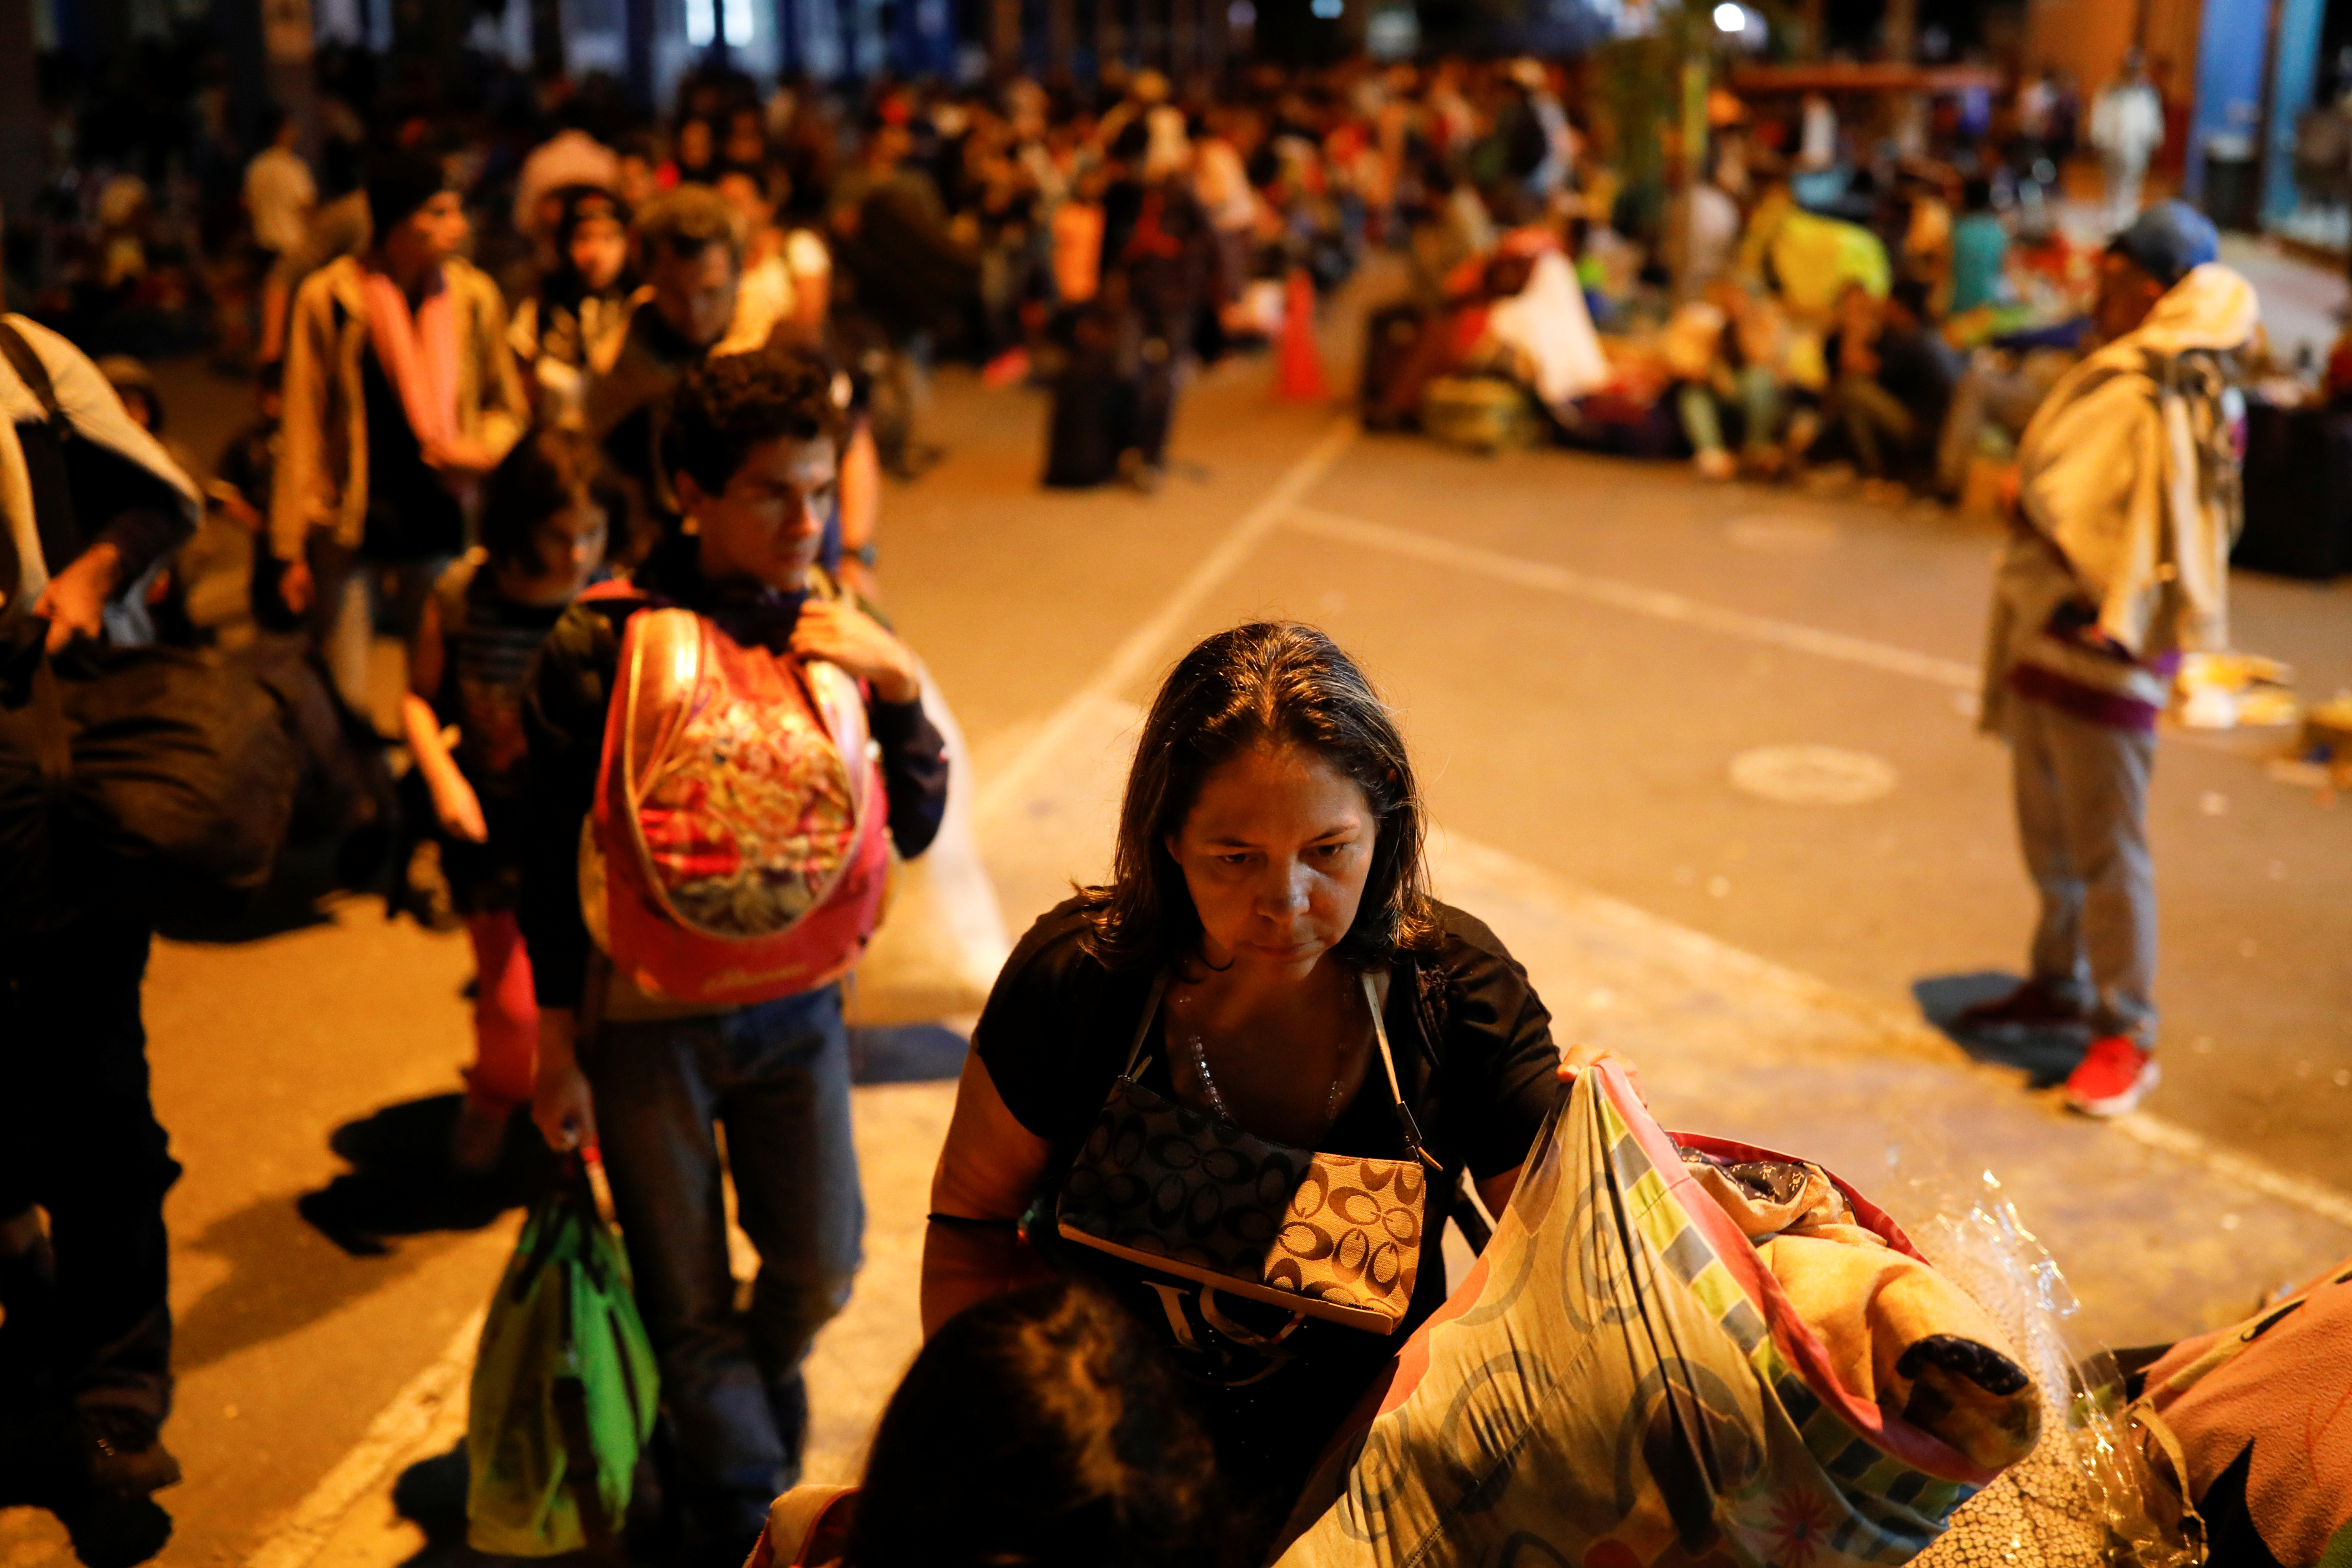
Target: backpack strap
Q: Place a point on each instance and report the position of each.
(30, 369)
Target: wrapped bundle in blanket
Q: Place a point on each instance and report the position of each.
(1674, 1352)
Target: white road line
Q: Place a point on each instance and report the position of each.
(1655, 603)
(2314, 1197)
(1144, 645)
(391, 1438)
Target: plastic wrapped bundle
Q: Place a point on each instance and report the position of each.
(1627, 1379)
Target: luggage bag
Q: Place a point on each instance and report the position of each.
(2298, 491)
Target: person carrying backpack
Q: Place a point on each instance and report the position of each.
(89, 503)
(709, 726)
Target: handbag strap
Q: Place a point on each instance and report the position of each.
(1411, 1128)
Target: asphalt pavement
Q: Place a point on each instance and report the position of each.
(1607, 671)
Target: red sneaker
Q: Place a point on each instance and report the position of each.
(2114, 1077)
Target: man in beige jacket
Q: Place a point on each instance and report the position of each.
(400, 394)
(2117, 563)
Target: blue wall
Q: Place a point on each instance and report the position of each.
(2229, 78)
(2298, 61)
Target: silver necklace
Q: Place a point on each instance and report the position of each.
(1195, 1050)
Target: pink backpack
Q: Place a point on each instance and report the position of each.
(737, 848)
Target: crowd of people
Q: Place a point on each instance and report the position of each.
(1870, 288)
(597, 428)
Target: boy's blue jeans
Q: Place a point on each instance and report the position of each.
(775, 1076)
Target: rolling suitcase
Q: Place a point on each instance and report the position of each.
(1093, 419)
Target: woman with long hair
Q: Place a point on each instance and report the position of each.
(1240, 1083)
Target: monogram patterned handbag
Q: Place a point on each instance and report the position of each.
(1177, 1190)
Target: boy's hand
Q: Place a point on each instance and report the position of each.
(561, 1104)
(842, 634)
(460, 810)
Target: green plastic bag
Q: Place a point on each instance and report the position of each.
(563, 1396)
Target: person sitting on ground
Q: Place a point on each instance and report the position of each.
(752, 442)
(570, 329)
(1729, 352)
(1267, 933)
(1892, 383)
(545, 514)
(1092, 1457)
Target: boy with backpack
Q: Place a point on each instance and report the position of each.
(700, 766)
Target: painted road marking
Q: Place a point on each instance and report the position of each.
(1655, 603)
(391, 1438)
(1143, 646)
(1812, 776)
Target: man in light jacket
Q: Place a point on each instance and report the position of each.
(2117, 563)
(400, 394)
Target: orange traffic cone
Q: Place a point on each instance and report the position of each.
(1300, 369)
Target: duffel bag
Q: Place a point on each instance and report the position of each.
(138, 773)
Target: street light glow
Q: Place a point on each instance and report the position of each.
(1731, 17)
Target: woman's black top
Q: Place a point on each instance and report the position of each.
(1475, 1060)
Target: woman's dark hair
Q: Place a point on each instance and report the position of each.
(1269, 684)
(581, 204)
(552, 470)
(1089, 1458)
(733, 403)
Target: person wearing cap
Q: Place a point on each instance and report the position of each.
(2117, 562)
(400, 393)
